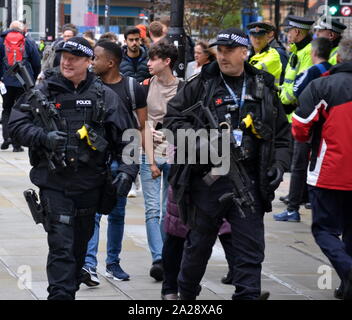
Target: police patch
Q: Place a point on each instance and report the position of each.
(83, 103)
(218, 101)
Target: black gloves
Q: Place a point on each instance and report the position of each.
(56, 141)
(275, 175)
(123, 184)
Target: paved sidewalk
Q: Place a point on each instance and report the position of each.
(290, 269)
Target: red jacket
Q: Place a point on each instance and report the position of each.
(324, 116)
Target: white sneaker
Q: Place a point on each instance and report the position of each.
(133, 192)
(138, 184)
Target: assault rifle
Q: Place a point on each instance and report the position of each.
(240, 195)
(42, 110)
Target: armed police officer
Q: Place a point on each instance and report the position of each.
(70, 158)
(228, 91)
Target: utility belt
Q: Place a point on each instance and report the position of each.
(41, 212)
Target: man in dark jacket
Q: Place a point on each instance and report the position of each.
(73, 191)
(324, 116)
(135, 57)
(31, 59)
(233, 90)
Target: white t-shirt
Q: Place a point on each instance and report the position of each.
(158, 97)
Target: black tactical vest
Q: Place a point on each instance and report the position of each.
(74, 112)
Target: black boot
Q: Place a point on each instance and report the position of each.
(347, 294)
(338, 292)
(5, 145)
(18, 149)
(157, 270)
(228, 278)
(284, 199)
(264, 295)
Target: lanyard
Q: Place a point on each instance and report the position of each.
(233, 94)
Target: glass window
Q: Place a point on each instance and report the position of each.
(67, 19)
(130, 21)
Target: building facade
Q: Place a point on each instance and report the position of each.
(122, 14)
(86, 14)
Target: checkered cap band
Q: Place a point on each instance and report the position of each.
(240, 40)
(325, 25)
(299, 25)
(236, 38)
(79, 47)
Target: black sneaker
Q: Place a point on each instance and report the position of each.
(89, 277)
(347, 292)
(264, 295)
(227, 279)
(115, 271)
(284, 199)
(338, 292)
(157, 270)
(308, 206)
(5, 145)
(18, 149)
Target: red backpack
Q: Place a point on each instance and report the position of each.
(14, 47)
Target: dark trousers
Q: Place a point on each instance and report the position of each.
(298, 185)
(226, 243)
(172, 256)
(9, 99)
(247, 235)
(67, 244)
(331, 219)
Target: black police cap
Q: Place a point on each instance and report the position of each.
(77, 46)
(231, 37)
(298, 22)
(330, 24)
(259, 28)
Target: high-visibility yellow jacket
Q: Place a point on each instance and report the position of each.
(333, 56)
(299, 61)
(333, 52)
(268, 60)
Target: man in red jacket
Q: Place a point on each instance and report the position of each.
(324, 115)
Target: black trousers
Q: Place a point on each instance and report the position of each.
(247, 235)
(9, 99)
(226, 243)
(67, 242)
(331, 219)
(172, 256)
(298, 185)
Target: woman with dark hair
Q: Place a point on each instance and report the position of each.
(202, 55)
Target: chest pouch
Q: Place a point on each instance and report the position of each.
(77, 113)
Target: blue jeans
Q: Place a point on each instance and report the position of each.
(116, 224)
(152, 202)
(331, 219)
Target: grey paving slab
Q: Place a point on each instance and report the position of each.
(290, 269)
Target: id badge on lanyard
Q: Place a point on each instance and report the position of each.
(238, 136)
(237, 133)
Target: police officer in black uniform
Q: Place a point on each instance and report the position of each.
(72, 182)
(232, 89)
